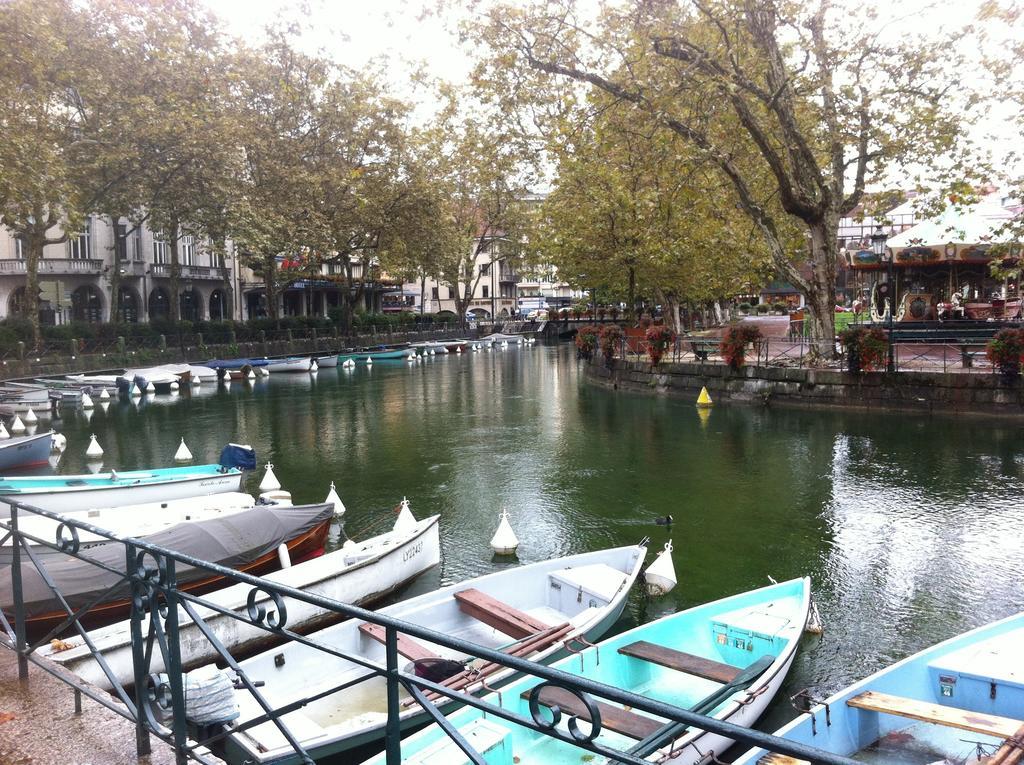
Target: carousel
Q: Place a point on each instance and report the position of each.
(939, 270)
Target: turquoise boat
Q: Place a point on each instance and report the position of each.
(725, 659)
(957, 701)
(376, 354)
(77, 493)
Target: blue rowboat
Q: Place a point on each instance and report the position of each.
(79, 493)
(954, 701)
(236, 363)
(378, 354)
(725, 659)
(25, 451)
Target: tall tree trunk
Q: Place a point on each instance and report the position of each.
(34, 243)
(631, 295)
(270, 284)
(821, 296)
(423, 294)
(172, 236)
(115, 270)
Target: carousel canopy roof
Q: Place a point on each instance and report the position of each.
(971, 225)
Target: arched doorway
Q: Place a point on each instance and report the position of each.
(256, 304)
(159, 304)
(127, 305)
(191, 305)
(219, 308)
(87, 305)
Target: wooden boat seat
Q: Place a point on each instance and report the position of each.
(613, 718)
(682, 662)
(951, 717)
(501, 616)
(408, 647)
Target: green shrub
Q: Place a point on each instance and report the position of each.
(780, 307)
(763, 308)
(743, 307)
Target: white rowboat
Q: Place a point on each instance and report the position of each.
(552, 602)
(359, 573)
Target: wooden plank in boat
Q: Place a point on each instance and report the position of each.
(992, 725)
(501, 616)
(612, 717)
(774, 758)
(681, 662)
(408, 647)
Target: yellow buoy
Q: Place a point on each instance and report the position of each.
(703, 399)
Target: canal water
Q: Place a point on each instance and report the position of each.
(909, 526)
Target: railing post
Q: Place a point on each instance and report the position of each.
(19, 598)
(175, 676)
(393, 729)
(138, 611)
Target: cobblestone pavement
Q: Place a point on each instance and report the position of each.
(38, 725)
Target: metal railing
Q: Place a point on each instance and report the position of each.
(946, 357)
(156, 703)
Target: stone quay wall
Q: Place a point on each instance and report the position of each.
(928, 392)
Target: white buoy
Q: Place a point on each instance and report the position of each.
(58, 442)
(3, 432)
(270, 482)
(369, 362)
(334, 499)
(17, 426)
(313, 366)
(104, 395)
(227, 383)
(660, 576)
(174, 385)
(134, 391)
(504, 541)
(94, 451)
(87, 401)
(406, 521)
(458, 349)
(183, 454)
(348, 364)
(411, 359)
(251, 375)
(104, 405)
(196, 382)
(150, 388)
(30, 417)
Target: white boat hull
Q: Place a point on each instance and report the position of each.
(289, 365)
(393, 560)
(85, 499)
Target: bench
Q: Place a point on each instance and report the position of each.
(500, 616)
(613, 718)
(950, 717)
(703, 348)
(408, 647)
(682, 662)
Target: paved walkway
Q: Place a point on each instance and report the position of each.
(38, 725)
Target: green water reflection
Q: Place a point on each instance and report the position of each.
(910, 527)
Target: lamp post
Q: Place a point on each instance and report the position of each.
(878, 247)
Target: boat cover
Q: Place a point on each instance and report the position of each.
(241, 456)
(233, 541)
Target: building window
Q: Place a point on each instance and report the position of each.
(188, 250)
(121, 241)
(80, 245)
(160, 251)
(485, 291)
(20, 247)
(135, 247)
(435, 293)
(485, 268)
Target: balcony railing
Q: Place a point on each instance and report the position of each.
(210, 273)
(156, 701)
(55, 266)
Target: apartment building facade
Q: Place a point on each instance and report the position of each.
(77, 278)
